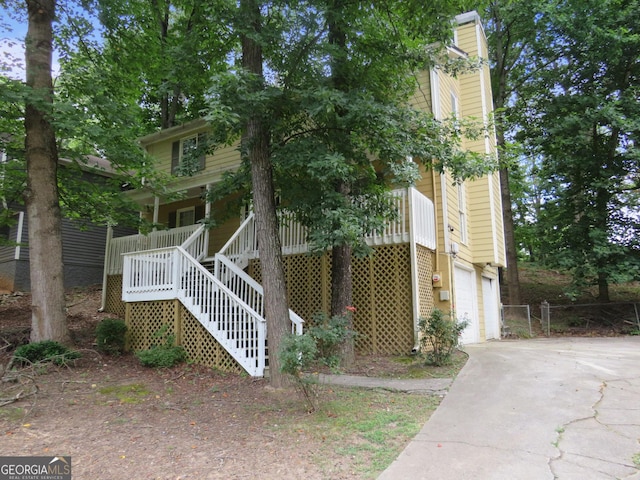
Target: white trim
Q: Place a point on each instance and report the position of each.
(483, 92)
(434, 81)
(415, 293)
(184, 210)
(19, 234)
(445, 214)
(494, 227)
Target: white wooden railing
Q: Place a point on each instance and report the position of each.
(228, 302)
(158, 239)
(247, 289)
(415, 213)
(172, 273)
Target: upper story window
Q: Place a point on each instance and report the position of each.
(188, 155)
(462, 212)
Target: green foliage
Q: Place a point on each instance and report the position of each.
(328, 334)
(441, 332)
(45, 351)
(297, 355)
(317, 346)
(110, 335)
(164, 355)
(571, 103)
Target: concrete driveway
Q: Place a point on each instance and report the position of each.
(565, 409)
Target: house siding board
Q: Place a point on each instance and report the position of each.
(421, 99)
(82, 255)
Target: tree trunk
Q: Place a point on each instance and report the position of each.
(48, 320)
(513, 277)
(342, 297)
(341, 275)
(256, 145)
(500, 91)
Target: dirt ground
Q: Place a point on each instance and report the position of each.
(119, 420)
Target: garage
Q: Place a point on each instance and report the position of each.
(466, 305)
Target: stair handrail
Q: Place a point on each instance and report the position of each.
(246, 288)
(196, 244)
(172, 273)
(243, 240)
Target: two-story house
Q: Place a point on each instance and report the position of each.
(443, 250)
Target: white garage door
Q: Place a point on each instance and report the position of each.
(466, 305)
(491, 310)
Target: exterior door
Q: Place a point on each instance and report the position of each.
(491, 310)
(466, 305)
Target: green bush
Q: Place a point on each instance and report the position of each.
(442, 333)
(45, 351)
(110, 336)
(318, 345)
(164, 355)
(329, 333)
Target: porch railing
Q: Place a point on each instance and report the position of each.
(416, 214)
(172, 273)
(158, 239)
(247, 289)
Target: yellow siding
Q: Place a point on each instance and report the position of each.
(421, 99)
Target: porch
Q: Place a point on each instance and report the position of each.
(216, 290)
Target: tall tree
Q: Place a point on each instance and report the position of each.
(341, 128)
(583, 120)
(43, 211)
(256, 140)
(163, 52)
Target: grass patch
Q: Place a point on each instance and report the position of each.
(366, 429)
(12, 414)
(131, 394)
(414, 367)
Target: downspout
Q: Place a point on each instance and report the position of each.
(436, 266)
(413, 261)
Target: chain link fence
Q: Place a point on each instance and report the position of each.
(516, 321)
(574, 319)
(600, 318)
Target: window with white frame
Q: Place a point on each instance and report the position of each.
(185, 216)
(462, 212)
(188, 155)
(454, 111)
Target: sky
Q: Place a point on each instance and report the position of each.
(13, 31)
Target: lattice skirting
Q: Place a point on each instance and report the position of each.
(145, 319)
(425, 285)
(113, 301)
(381, 294)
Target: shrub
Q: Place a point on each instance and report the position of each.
(442, 333)
(45, 351)
(297, 355)
(164, 355)
(328, 334)
(110, 336)
(318, 345)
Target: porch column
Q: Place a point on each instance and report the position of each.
(207, 216)
(156, 209)
(413, 256)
